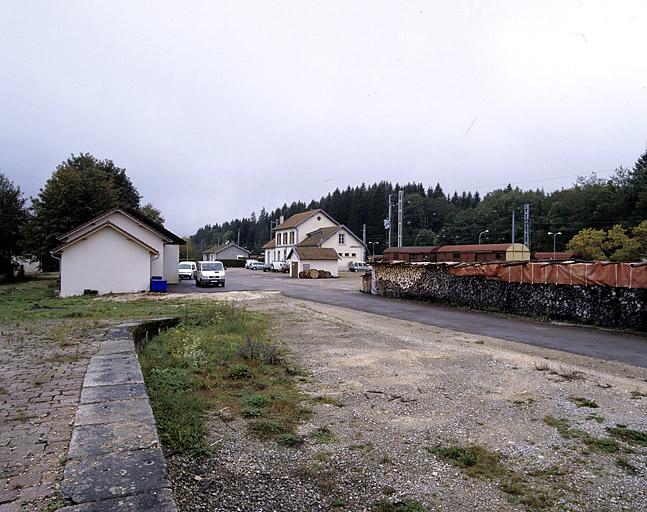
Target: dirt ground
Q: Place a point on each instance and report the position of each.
(391, 397)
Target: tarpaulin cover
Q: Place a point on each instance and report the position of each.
(622, 275)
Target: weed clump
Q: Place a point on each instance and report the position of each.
(259, 351)
(584, 402)
(239, 372)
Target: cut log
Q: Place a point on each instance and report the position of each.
(314, 274)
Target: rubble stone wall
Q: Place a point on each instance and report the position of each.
(598, 305)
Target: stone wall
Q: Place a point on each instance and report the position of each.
(598, 305)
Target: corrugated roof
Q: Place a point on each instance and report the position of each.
(477, 248)
(413, 249)
(297, 219)
(555, 256)
(315, 238)
(315, 253)
(270, 245)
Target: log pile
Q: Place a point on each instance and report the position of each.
(314, 274)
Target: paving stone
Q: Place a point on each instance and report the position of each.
(96, 394)
(116, 346)
(153, 501)
(112, 377)
(124, 411)
(114, 475)
(89, 440)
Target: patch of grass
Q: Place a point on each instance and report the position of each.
(197, 367)
(567, 376)
(479, 462)
(628, 435)
(583, 402)
(361, 447)
(624, 464)
(637, 395)
(595, 417)
(321, 456)
(407, 505)
(239, 372)
(36, 300)
(604, 445)
(323, 435)
(329, 400)
(542, 367)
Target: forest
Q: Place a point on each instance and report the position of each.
(432, 216)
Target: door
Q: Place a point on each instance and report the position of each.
(294, 271)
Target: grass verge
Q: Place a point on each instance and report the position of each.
(221, 361)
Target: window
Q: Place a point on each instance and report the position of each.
(346, 255)
(354, 254)
(342, 238)
(291, 237)
(278, 238)
(340, 254)
(306, 266)
(456, 256)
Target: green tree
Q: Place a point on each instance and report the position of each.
(589, 243)
(12, 218)
(80, 188)
(152, 213)
(426, 237)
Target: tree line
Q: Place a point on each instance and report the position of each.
(433, 217)
(598, 217)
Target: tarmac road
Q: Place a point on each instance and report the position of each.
(344, 292)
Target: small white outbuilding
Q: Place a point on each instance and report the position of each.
(308, 258)
(117, 252)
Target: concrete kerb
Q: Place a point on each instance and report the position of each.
(115, 461)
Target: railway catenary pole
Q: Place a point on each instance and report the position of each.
(400, 207)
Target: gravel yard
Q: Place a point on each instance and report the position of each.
(412, 417)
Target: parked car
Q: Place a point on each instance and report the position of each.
(256, 265)
(358, 266)
(280, 266)
(267, 267)
(249, 263)
(210, 272)
(186, 270)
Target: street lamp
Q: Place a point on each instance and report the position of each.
(482, 233)
(554, 235)
(373, 244)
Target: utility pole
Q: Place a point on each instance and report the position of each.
(526, 225)
(238, 237)
(513, 234)
(400, 206)
(364, 233)
(388, 221)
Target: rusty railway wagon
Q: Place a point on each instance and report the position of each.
(458, 253)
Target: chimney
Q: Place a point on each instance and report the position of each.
(281, 220)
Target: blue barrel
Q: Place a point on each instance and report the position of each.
(158, 284)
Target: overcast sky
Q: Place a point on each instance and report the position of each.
(219, 108)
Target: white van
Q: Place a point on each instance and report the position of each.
(210, 272)
(186, 270)
(358, 266)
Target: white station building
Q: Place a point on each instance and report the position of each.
(117, 252)
(314, 229)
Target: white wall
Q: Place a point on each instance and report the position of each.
(351, 246)
(329, 265)
(171, 261)
(106, 262)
